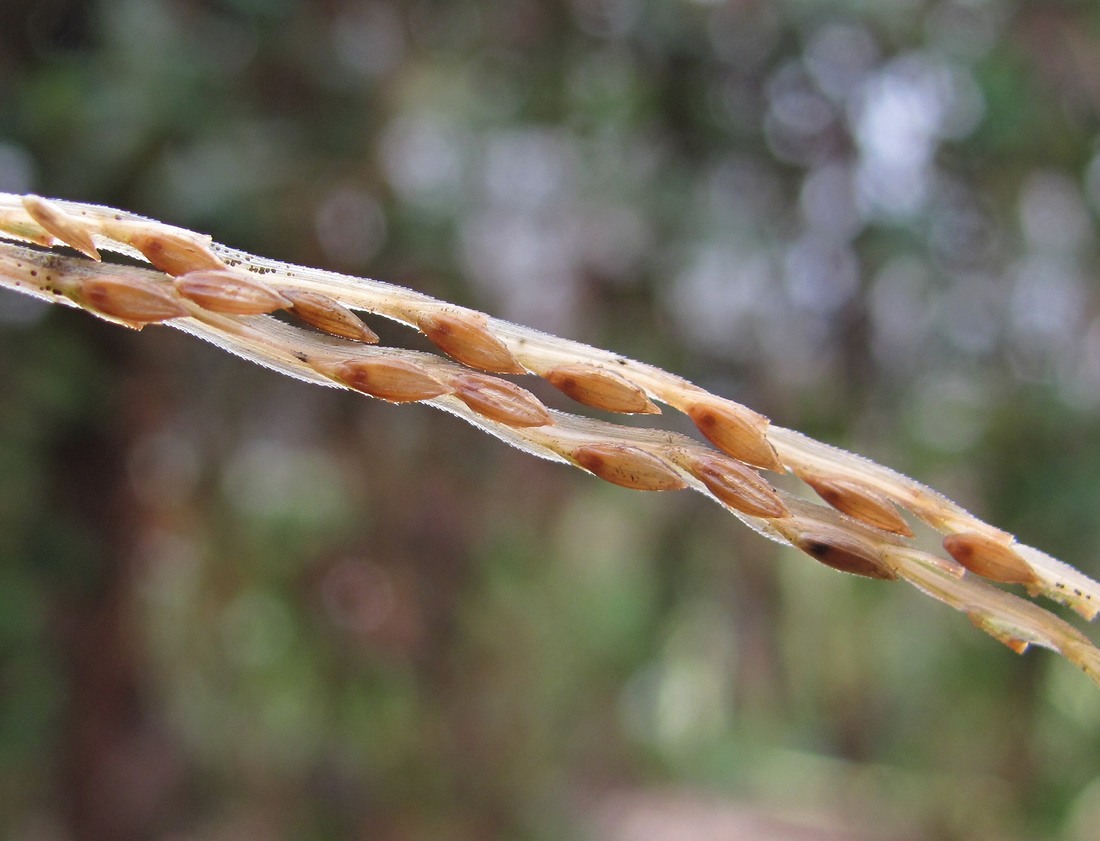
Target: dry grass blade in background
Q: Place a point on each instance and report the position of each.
(228, 297)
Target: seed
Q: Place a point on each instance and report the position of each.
(465, 336)
(132, 300)
(859, 502)
(736, 431)
(628, 466)
(735, 484)
(170, 251)
(842, 552)
(226, 291)
(328, 315)
(989, 558)
(62, 225)
(595, 386)
(500, 400)
(388, 379)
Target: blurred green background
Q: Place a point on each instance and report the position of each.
(233, 606)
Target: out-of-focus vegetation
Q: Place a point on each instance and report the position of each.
(233, 606)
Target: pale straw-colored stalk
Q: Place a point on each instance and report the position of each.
(228, 297)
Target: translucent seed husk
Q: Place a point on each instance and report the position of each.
(628, 466)
(500, 400)
(394, 380)
(859, 502)
(229, 292)
(735, 484)
(989, 558)
(603, 389)
(328, 315)
(133, 301)
(465, 336)
(67, 228)
(736, 431)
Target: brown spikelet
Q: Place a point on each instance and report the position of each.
(843, 552)
(500, 400)
(631, 467)
(133, 301)
(595, 386)
(394, 380)
(60, 224)
(465, 336)
(229, 292)
(736, 431)
(859, 502)
(328, 315)
(172, 252)
(735, 484)
(989, 558)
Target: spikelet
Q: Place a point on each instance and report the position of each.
(736, 431)
(989, 558)
(500, 400)
(386, 378)
(628, 466)
(329, 316)
(859, 502)
(229, 292)
(600, 388)
(734, 484)
(842, 551)
(464, 335)
(132, 301)
(60, 224)
(172, 251)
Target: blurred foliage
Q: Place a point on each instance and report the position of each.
(237, 607)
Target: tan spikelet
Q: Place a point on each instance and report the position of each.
(603, 389)
(735, 484)
(330, 316)
(229, 292)
(1003, 636)
(628, 466)
(465, 336)
(67, 228)
(170, 251)
(394, 380)
(859, 502)
(736, 431)
(500, 400)
(841, 551)
(133, 301)
(989, 558)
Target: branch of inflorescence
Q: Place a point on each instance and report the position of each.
(229, 298)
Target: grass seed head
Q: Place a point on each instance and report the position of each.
(229, 292)
(329, 316)
(603, 389)
(465, 336)
(859, 502)
(628, 466)
(735, 484)
(133, 301)
(989, 558)
(66, 227)
(500, 400)
(736, 431)
(394, 380)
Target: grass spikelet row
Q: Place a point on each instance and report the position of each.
(227, 297)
